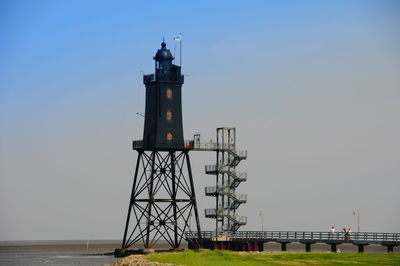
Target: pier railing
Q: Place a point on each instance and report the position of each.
(305, 236)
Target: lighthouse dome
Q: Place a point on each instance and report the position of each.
(163, 53)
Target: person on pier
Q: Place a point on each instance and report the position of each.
(332, 233)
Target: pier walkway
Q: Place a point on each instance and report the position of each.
(254, 240)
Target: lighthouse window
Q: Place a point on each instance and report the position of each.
(169, 136)
(169, 94)
(169, 115)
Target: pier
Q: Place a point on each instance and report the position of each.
(254, 240)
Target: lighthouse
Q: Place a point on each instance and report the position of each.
(163, 197)
(163, 116)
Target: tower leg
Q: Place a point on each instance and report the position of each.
(150, 202)
(172, 154)
(194, 203)
(124, 244)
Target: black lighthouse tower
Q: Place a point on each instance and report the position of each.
(163, 195)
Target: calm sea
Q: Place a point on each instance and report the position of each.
(57, 252)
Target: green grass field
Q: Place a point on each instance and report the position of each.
(219, 257)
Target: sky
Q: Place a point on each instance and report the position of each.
(312, 87)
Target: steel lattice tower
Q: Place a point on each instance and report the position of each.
(163, 195)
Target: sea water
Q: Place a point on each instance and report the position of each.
(57, 252)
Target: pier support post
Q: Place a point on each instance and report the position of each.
(215, 245)
(283, 246)
(333, 247)
(361, 248)
(260, 246)
(255, 246)
(389, 245)
(308, 244)
(360, 245)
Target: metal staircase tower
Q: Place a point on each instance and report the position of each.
(227, 201)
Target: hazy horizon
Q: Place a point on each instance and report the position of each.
(313, 89)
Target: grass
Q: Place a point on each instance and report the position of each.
(224, 257)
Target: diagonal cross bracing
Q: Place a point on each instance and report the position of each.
(162, 199)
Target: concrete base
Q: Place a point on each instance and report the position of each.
(119, 252)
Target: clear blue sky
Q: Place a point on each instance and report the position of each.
(313, 88)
